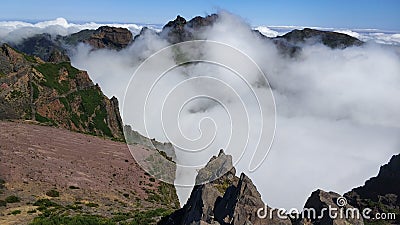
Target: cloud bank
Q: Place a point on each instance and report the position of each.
(15, 31)
(337, 110)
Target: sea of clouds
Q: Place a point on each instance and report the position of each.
(338, 111)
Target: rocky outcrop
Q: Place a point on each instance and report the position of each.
(56, 94)
(380, 193)
(180, 30)
(103, 37)
(318, 205)
(226, 200)
(328, 38)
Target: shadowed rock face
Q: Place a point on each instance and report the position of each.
(380, 193)
(180, 30)
(328, 38)
(320, 201)
(226, 200)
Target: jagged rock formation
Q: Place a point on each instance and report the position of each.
(226, 200)
(55, 94)
(180, 30)
(320, 201)
(380, 193)
(328, 38)
(103, 37)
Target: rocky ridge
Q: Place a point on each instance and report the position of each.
(380, 193)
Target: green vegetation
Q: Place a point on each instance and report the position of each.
(43, 119)
(15, 212)
(53, 193)
(31, 211)
(73, 220)
(221, 187)
(166, 195)
(51, 73)
(74, 207)
(3, 203)
(129, 218)
(2, 183)
(35, 91)
(16, 94)
(92, 103)
(12, 199)
(29, 58)
(45, 203)
(91, 204)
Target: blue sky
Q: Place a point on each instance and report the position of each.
(381, 14)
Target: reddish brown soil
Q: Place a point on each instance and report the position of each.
(35, 159)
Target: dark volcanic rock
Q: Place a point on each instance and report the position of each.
(103, 37)
(180, 30)
(226, 200)
(380, 193)
(320, 201)
(328, 38)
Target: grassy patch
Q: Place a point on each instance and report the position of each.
(91, 204)
(45, 203)
(92, 104)
(71, 220)
(35, 91)
(51, 73)
(15, 212)
(53, 193)
(12, 199)
(43, 119)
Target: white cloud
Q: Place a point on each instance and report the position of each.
(266, 31)
(15, 31)
(338, 110)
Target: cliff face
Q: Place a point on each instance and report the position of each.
(103, 37)
(380, 193)
(55, 94)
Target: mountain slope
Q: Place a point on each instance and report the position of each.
(55, 94)
(92, 176)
